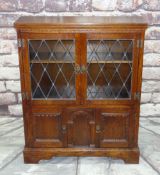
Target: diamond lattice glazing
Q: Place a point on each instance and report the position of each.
(109, 68)
(52, 68)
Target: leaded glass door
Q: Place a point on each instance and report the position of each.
(110, 67)
(52, 60)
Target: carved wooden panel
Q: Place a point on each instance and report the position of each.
(112, 128)
(48, 129)
(81, 127)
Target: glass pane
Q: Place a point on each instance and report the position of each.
(109, 69)
(52, 68)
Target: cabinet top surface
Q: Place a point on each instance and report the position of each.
(26, 21)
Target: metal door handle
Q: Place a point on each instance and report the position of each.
(98, 128)
(80, 69)
(64, 128)
(83, 69)
(77, 69)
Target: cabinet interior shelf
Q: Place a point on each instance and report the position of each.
(89, 62)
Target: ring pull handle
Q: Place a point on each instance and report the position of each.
(64, 128)
(83, 69)
(98, 128)
(80, 69)
(77, 68)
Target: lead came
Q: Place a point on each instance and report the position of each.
(108, 58)
(54, 60)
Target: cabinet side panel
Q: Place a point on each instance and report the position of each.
(141, 37)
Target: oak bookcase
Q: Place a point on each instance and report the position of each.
(81, 85)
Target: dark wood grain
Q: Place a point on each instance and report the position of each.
(79, 20)
(80, 126)
(34, 155)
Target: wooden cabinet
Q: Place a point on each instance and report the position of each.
(81, 85)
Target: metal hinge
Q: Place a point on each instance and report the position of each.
(25, 96)
(20, 43)
(139, 43)
(137, 96)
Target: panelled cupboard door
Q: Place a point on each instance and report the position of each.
(111, 67)
(114, 127)
(48, 129)
(80, 124)
(51, 68)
